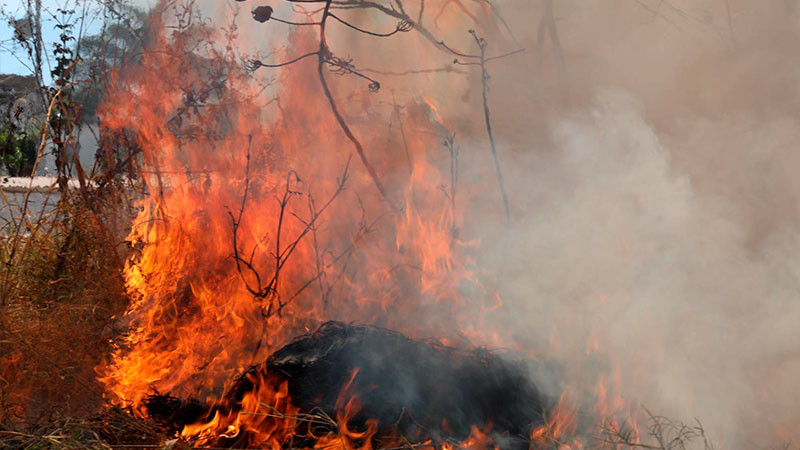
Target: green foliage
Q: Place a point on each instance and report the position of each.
(62, 48)
(18, 150)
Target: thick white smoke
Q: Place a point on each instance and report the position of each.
(656, 205)
(619, 246)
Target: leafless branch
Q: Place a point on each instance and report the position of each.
(402, 27)
(267, 288)
(667, 434)
(547, 24)
(255, 64)
(481, 62)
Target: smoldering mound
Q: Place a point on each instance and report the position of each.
(418, 389)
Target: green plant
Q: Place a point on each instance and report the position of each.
(18, 150)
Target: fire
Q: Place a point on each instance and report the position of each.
(194, 319)
(561, 423)
(260, 223)
(346, 438)
(477, 440)
(265, 417)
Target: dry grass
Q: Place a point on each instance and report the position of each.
(113, 429)
(61, 288)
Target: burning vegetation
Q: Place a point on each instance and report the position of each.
(276, 220)
(300, 231)
(366, 385)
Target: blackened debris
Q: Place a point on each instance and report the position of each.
(419, 389)
(262, 13)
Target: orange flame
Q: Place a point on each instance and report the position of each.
(196, 316)
(265, 417)
(253, 231)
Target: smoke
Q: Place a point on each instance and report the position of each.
(665, 278)
(654, 234)
(656, 206)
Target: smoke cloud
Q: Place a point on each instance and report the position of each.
(656, 204)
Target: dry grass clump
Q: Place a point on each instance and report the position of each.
(115, 428)
(61, 282)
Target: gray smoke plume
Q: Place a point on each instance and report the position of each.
(657, 204)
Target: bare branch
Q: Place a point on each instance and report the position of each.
(402, 27)
(255, 64)
(246, 267)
